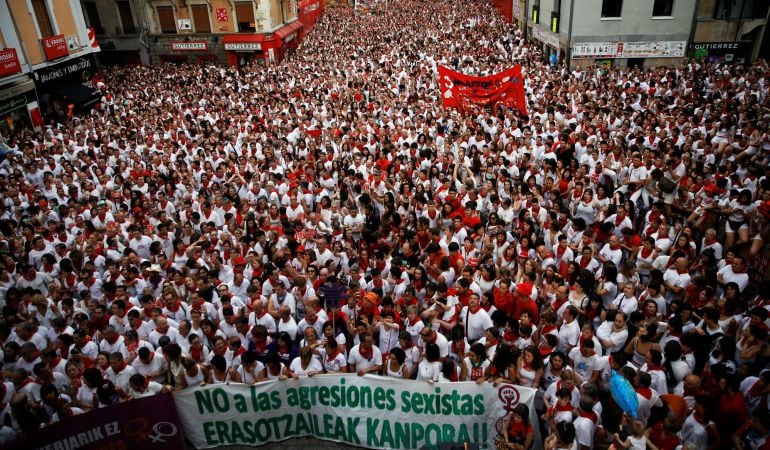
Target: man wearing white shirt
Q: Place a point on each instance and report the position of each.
(112, 342)
(365, 357)
(735, 272)
(474, 319)
(569, 331)
(676, 279)
(119, 372)
(611, 252)
(428, 335)
(150, 365)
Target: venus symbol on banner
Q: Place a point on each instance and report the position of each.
(139, 428)
(510, 397)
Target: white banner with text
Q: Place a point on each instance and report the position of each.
(371, 411)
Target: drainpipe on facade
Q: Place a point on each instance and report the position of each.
(569, 34)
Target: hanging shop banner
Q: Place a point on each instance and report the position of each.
(616, 50)
(149, 423)
(594, 50)
(370, 411)
(9, 62)
(654, 49)
(55, 47)
(461, 91)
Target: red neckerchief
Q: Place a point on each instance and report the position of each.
(756, 390)
(176, 306)
(548, 328)
(682, 272)
(742, 270)
(239, 352)
(562, 408)
(86, 340)
(577, 194)
(589, 415)
(196, 353)
(474, 310)
(366, 353)
(584, 262)
(510, 337)
(90, 282)
(121, 368)
(615, 247)
(618, 220)
(651, 367)
(331, 356)
(645, 253)
(260, 347)
(113, 340)
(708, 241)
(458, 349)
(27, 381)
(644, 392)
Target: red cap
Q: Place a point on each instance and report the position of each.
(239, 261)
(525, 289)
(43, 203)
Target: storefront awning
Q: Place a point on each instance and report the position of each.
(78, 94)
(243, 42)
(288, 32)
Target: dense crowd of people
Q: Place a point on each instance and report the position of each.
(208, 225)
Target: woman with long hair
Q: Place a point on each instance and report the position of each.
(518, 433)
(529, 368)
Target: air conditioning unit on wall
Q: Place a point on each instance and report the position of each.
(184, 24)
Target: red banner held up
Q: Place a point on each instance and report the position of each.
(461, 91)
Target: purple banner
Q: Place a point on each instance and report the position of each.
(146, 424)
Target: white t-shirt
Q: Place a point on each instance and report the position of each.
(427, 371)
(361, 363)
(313, 366)
(569, 333)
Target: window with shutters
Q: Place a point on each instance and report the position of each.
(245, 14)
(200, 15)
(43, 19)
(91, 14)
(126, 17)
(166, 19)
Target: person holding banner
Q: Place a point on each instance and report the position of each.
(306, 364)
(365, 357)
(518, 433)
